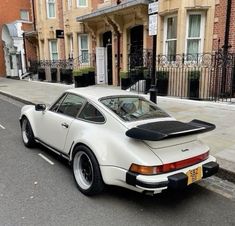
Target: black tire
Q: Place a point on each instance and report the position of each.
(86, 171)
(27, 133)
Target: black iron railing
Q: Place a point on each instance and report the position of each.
(197, 76)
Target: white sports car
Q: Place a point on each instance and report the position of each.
(114, 137)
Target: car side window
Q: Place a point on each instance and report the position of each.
(56, 105)
(71, 105)
(90, 113)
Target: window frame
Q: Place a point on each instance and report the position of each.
(80, 49)
(82, 6)
(61, 100)
(48, 11)
(202, 32)
(165, 35)
(69, 4)
(50, 49)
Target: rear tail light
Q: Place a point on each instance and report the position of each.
(165, 168)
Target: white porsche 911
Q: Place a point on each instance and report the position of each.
(114, 137)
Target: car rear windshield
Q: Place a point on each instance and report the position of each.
(133, 108)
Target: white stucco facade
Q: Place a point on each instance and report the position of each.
(12, 37)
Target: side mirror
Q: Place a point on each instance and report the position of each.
(40, 107)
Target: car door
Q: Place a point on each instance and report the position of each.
(55, 123)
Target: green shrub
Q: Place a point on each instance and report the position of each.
(162, 75)
(123, 74)
(194, 75)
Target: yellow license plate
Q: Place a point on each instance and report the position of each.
(194, 175)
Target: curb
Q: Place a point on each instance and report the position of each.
(227, 172)
(17, 98)
(226, 175)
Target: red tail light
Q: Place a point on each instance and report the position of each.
(151, 170)
(183, 163)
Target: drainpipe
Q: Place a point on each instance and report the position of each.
(25, 53)
(226, 46)
(228, 18)
(118, 57)
(34, 18)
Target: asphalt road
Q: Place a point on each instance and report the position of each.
(36, 192)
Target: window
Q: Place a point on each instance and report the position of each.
(81, 3)
(69, 4)
(70, 105)
(50, 8)
(133, 108)
(83, 46)
(56, 105)
(24, 15)
(195, 33)
(53, 50)
(170, 37)
(70, 45)
(90, 113)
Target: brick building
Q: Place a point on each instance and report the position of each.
(220, 21)
(16, 18)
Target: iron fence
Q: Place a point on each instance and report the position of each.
(197, 76)
(82, 61)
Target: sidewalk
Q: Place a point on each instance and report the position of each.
(221, 140)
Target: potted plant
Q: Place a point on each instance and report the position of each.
(125, 80)
(193, 84)
(66, 75)
(91, 75)
(53, 74)
(147, 77)
(162, 82)
(41, 74)
(79, 79)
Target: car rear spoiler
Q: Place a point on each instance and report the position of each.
(167, 129)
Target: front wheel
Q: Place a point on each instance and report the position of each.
(86, 171)
(27, 133)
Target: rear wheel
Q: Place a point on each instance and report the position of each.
(86, 171)
(27, 133)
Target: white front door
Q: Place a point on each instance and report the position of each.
(101, 65)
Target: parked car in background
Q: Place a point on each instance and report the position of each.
(118, 138)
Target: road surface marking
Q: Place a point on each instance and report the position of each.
(46, 159)
(1, 126)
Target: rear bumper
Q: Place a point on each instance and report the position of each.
(175, 180)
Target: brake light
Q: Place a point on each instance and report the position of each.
(151, 170)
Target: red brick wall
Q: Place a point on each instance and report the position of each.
(220, 23)
(10, 11)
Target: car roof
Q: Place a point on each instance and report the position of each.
(95, 93)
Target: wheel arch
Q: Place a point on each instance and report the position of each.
(73, 151)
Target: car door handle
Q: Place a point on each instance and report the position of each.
(65, 125)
